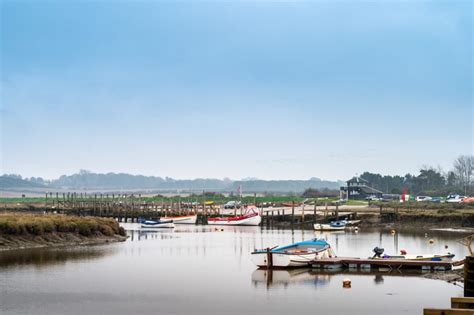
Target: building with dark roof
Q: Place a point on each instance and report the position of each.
(358, 188)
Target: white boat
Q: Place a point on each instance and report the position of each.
(333, 226)
(251, 217)
(155, 224)
(403, 255)
(300, 254)
(186, 219)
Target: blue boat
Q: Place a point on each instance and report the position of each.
(155, 224)
(333, 226)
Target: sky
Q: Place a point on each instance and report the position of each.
(214, 89)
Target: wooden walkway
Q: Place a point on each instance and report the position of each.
(459, 306)
(391, 264)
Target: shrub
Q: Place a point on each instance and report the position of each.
(84, 229)
(106, 230)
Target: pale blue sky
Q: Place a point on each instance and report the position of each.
(281, 89)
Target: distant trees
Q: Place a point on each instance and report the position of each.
(429, 181)
(463, 167)
(315, 193)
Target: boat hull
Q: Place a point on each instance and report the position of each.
(288, 260)
(253, 221)
(168, 225)
(189, 219)
(447, 257)
(327, 227)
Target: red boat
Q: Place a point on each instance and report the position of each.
(251, 217)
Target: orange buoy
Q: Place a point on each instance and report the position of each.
(346, 283)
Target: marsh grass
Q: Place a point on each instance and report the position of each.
(41, 224)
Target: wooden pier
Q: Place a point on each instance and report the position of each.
(391, 264)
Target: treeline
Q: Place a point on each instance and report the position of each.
(429, 181)
(121, 181)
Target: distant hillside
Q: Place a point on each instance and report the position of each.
(120, 181)
(89, 180)
(8, 182)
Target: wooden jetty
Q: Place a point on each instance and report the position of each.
(459, 306)
(391, 264)
(129, 207)
(304, 214)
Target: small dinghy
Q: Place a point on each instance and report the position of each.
(251, 217)
(185, 219)
(155, 224)
(300, 254)
(333, 226)
(403, 255)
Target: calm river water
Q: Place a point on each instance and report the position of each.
(201, 270)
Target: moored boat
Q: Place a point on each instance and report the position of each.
(156, 224)
(251, 217)
(333, 226)
(300, 254)
(185, 219)
(403, 255)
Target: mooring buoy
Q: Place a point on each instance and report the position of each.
(346, 283)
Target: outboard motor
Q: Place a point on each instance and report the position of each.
(378, 252)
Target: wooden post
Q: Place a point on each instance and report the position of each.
(314, 212)
(469, 276)
(302, 214)
(292, 212)
(269, 259)
(337, 211)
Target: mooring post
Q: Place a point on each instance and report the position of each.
(292, 212)
(314, 212)
(269, 259)
(302, 214)
(469, 276)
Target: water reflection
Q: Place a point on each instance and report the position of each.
(206, 270)
(300, 276)
(42, 257)
(318, 278)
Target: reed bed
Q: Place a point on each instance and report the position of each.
(42, 224)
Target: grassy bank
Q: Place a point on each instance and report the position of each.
(24, 230)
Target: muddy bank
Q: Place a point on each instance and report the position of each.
(14, 242)
(451, 276)
(23, 230)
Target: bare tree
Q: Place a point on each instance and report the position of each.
(463, 168)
